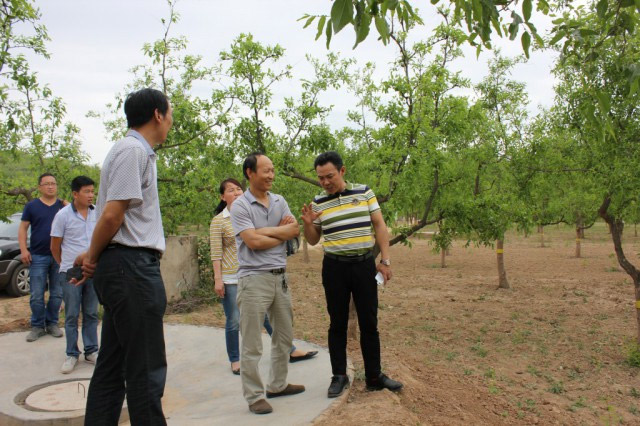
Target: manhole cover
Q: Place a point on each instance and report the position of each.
(67, 396)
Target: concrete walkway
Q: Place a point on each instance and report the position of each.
(200, 389)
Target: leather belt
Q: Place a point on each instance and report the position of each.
(278, 271)
(154, 252)
(350, 259)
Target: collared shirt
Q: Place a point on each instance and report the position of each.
(223, 246)
(129, 173)
(249, 213)
(346, 219)
(75, 232)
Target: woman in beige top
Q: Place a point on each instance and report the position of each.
(224, 257)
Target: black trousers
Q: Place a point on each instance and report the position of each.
(341, 280)
(132, 358)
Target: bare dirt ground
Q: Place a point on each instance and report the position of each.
(551, 350)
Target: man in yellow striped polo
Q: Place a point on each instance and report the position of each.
(346, 214)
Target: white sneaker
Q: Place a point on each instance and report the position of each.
(91, 358)
(69, 364)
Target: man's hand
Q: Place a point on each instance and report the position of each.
(25, 257)
(385, 271)
(88, 268)
(287, 220)
(219, 288)
(308, 215)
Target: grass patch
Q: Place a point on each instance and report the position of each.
(479, 350)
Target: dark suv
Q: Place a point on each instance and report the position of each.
(14, 275)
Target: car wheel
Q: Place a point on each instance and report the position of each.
(19, 284)
(295, 245)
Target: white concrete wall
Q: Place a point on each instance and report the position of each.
(179, 265)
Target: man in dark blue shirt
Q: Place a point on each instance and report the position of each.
(39, 214)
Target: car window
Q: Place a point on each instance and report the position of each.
(10, 229)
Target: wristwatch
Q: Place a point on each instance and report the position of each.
(386, 262)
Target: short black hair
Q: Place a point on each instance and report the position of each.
(79, 181)
(140, 106)
(44, 175)
(328, 157)
(251, 162)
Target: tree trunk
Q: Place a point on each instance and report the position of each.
(636, 284)
(582, 233)
(616, 226)
(443, 258)
(352, 329)
(578, 241)
(541, 230)
(635, 229)
(305, 250)
(502, 274)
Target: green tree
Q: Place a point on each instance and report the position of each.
(33, 131)
(600, 98)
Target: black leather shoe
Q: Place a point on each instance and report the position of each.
(308, 355)
(338, 384)
(383, 382)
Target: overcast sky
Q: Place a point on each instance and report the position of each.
(94, 44)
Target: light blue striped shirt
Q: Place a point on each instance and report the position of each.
(75, 231)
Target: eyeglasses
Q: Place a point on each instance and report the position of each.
(49, 184)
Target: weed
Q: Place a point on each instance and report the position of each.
(634, 393)
(451, 356)
(515, 316)
(493, 389)
(490, 373)
(633, 410)
(633, 355)
(520, 337)
(556, 387)
(612, 269)
(579, 403)
(484, 329)
(602, 317)
(479, 350)
(533, 371)
(467, 372)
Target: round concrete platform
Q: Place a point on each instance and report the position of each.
(200, 388)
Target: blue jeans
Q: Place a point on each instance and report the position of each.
(232, 325)
(76, 297)
(43, 267)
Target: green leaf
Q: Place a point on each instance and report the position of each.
(328, 33)
(434, 1)
(341, 14)
(477, 10)
(602, 7)
(391, 4)
(513, 31)
(309, 21)
(321, 22)
(526, 42)
(362, 30)
(556, 38)
(627, 3)
(383, 29)
(637, 5)
(603, 102)
(526, 9)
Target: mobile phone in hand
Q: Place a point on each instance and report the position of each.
(75, 272)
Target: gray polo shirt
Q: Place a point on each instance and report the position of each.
(248, 213)
(129, 173)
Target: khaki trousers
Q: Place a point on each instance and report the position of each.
(259, 294)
